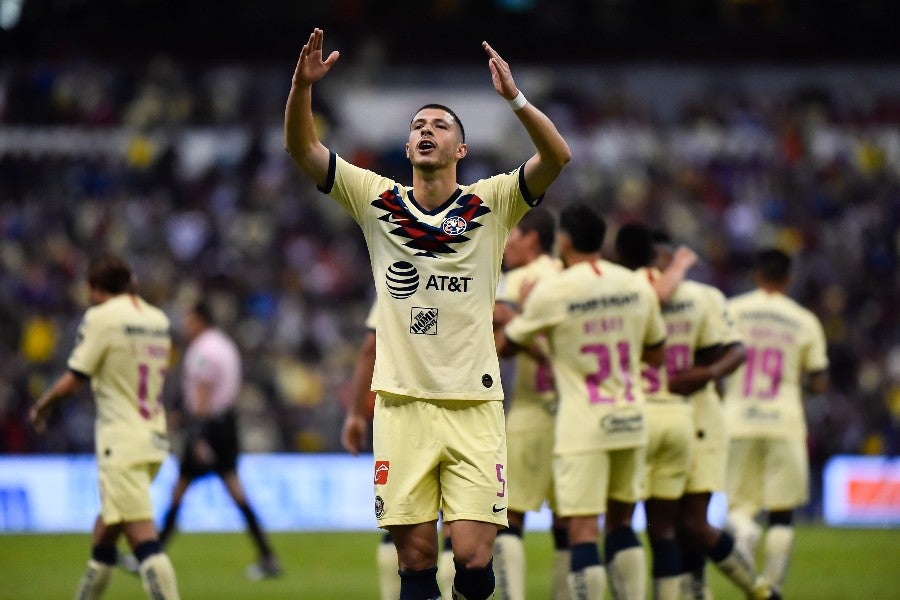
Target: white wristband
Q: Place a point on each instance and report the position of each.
(518, 102)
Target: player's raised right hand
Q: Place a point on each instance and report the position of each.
(310, 66)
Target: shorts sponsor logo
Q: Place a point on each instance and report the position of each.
(622, 422)
(402, 280)
(382, 467)
(379, 507)
(423, 320)
(498, 510)
(454, 225)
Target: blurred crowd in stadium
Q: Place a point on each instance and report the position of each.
(180, 168)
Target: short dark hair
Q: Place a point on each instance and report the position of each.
(661, 236)
(204, 312)
(541, 221)
(584, 226)
(634, 245)
(462, 129)
(773, 265)
(110, 273)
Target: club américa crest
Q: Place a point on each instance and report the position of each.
(454, 225)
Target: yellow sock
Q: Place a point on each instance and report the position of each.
(588, 584)
(94, 581)
(388, 577)
(628, 574)
(509, 567)
(158, 577)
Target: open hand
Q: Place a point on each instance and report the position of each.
(500, 74)
(310, 66)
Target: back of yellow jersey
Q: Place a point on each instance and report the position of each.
(124, 346)
(693, 322)
(533, 388)
(598, 317)
(783, 341)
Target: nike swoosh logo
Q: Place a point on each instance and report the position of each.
(497, 510)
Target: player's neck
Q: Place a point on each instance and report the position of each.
(433, 188)
(573, 258)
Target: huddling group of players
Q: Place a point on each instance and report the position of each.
(646, 353)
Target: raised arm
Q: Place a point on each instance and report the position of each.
(553, 152)
(674, 274)
(300, 137)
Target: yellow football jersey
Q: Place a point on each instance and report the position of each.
(123, 345)
(598, 318)
(436, 274)
(783, 340)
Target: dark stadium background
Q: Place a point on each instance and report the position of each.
(289, 275)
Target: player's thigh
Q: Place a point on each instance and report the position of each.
(530, 470)
(223, 438)
(125, 492)
(707, 470)
(473, 468)
(581, 481)
(668, 456)
(744, 482)
(787, 474)
(626, 471)
(407, 454)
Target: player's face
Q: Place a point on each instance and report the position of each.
(434, 140)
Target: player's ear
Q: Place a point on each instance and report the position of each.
(407, 150)
(461, 151)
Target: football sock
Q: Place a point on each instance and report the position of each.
(388, 579)
(416, 585)
(626, 564)
(746, 535)
(509, 565)
(561, 561)
(94, 580)
(666, 569)
(587, 577)
(730, 559)
(256, 532)
(158, 577)
(474, 584)
(779, 542)
(446, 570)
(693, 568)
(169, 521)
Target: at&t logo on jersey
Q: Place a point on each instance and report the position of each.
(402, 280)
(454, 225)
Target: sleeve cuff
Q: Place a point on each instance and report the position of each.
(332, 167)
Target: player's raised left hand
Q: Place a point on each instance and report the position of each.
(500, 73)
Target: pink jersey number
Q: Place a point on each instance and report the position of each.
(763, 362)
(143, 401)
(604, 370)
(678, 358)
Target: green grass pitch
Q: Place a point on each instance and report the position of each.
(827, 563)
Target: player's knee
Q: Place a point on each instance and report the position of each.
(781, 517)
(474, 582)
(474, 557)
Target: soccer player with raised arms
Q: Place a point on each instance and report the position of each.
(601, 321)
(123, 348)
(768, 468)
(435, 248)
